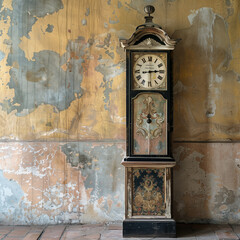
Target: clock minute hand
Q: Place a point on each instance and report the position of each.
(155, 71)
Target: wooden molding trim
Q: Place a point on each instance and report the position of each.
(146, 164)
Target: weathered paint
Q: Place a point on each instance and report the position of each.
(62, 107)
(206, 106)
(207, 176)
(10, 197)
(45, 185)
(49, 28)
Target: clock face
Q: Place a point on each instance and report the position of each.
(149, 71)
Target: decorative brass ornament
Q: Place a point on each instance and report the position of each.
(149, 42)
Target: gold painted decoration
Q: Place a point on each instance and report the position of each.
(150, 122)
(148, 192)
(149, 113)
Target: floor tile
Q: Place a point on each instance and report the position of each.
(53, 232)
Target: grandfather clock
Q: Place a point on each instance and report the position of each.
(148, 162)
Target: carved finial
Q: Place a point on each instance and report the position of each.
(149, 9)
(143, 36)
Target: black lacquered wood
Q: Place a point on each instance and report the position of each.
(131, 94)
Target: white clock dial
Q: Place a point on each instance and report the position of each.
(149, 71)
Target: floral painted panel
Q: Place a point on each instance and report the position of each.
(149, 192)
(150, 124)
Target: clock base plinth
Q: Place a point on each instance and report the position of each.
(149, 228)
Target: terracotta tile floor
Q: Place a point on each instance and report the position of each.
(114, 231)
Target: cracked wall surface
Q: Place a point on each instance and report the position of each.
(62, 108)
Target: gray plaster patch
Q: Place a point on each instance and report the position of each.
(226, 207)
(44, 81)
(10, 197)
(7, 42)
(87, 12)
(4, 13)
(119, 4)
(228, 2)
(109, 71)
(230, 11)
(106, 43)
(102, 165)
(39, 80)
(2, 55)
(25, 14)
(76, 157)
(105, 25)
(114, 21)
(224, 196)
(84, 22)
(110, 54)
(49, 28)
(41, 8)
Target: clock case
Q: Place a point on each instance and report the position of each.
(141, 169)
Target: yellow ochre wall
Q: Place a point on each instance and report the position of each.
(62, 108)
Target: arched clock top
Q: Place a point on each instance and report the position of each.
(149, 35)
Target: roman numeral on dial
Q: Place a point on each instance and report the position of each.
(138, 77)
(143, 82)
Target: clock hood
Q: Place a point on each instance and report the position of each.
(149, 35)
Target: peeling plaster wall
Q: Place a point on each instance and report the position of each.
(207, 180)
(52, 182)
(62, 108)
